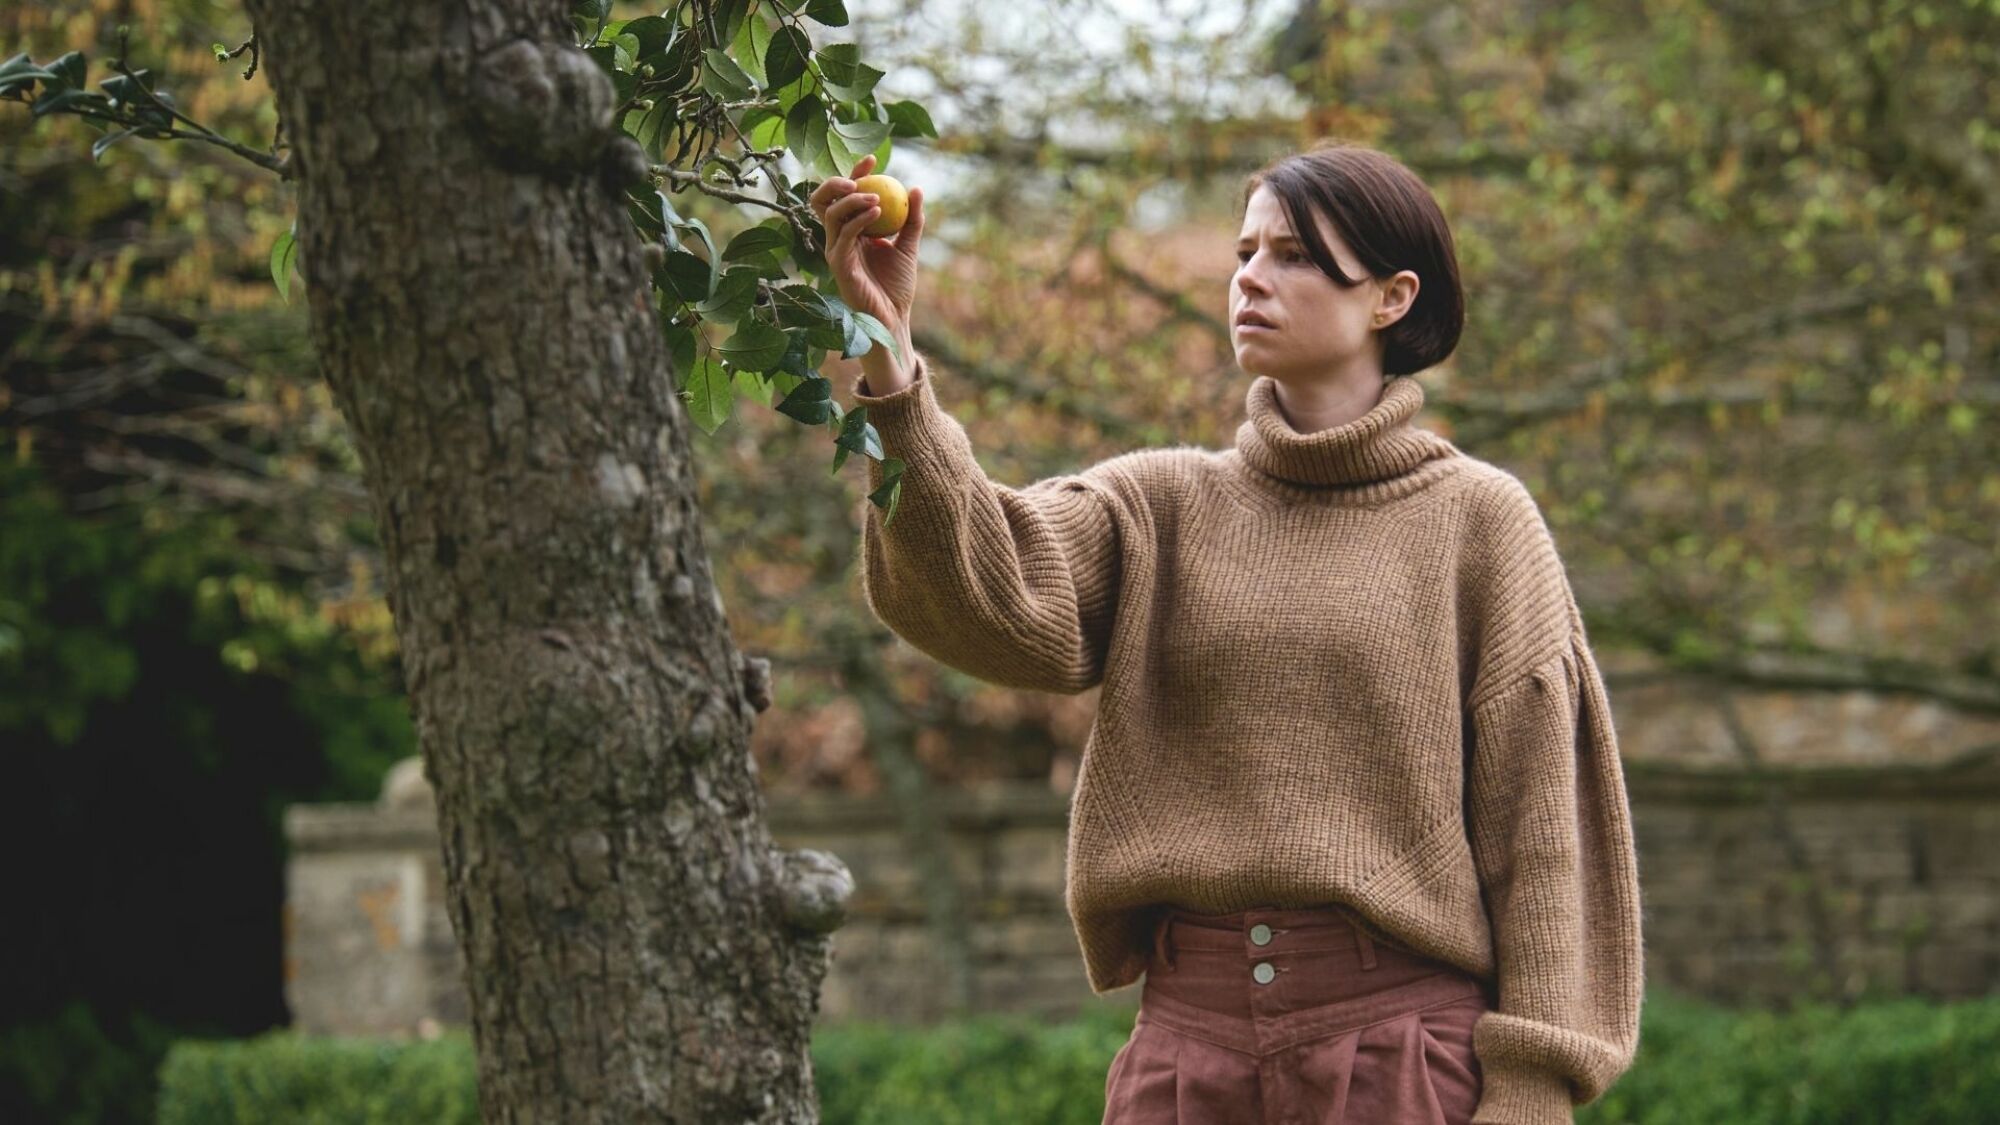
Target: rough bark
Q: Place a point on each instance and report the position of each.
(635, 947)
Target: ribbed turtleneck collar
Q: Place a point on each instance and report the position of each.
(1379, 445)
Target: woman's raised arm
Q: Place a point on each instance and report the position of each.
(1016, 586)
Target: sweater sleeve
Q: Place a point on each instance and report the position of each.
(1550, 829)
(1015, 586)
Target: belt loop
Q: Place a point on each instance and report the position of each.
(1367, 946)
(1163, 941)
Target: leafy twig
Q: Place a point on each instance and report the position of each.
(282, 166)
(250, 45)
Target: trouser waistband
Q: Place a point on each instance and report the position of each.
(1180, 928)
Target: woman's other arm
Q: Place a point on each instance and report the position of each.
(1551, 835)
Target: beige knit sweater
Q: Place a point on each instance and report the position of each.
(1337, 667)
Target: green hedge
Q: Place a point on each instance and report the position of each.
(1886, 1063)
(282, 1076)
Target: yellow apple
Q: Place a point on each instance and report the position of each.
(894, 201)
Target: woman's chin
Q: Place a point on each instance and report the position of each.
(1252, 359)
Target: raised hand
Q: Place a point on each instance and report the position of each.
(877, 276)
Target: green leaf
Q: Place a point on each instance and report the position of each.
(20, 82)
(858, 90)
(708, 394)
(593, 13)
(908, 119)
(727, 18)
(20, 73)
(734, 295)
(68, 70)
(879, 332)
(748, 48)
(676, 67)
(834, 332)
(769, 265)
(688, 276)
(625, 52)
(805, 128)
(753, 385)
(842, 329)
(651, 213)
(68, 100)
(847, 77)
(654, 35)
(156, 116)
(832, 13)
(852, 140)
(681, 345)
(887, 496)
(700, 228)
(284, 253)
(98, 146)
(652, 131)
(858, 341)
(765, 127)
(667, 211)
(755, 346)
(856, 436)
(800, 305)
(786, 57)
(798, 359)
(127, 88)
(789, 94)
(810, 402)
(722, 77)
(756, 240)
(839, 61)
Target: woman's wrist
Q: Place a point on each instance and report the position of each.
(883, 372)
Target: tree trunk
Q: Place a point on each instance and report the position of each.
(635, 947)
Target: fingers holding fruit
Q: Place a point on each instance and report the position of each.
(875, 274)
(892, 204)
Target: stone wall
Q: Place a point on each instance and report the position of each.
(1758, 885)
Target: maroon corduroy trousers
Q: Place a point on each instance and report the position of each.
(1294, 1017)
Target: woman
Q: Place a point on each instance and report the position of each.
(1352, 800)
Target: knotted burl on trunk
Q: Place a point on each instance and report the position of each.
(547, 108)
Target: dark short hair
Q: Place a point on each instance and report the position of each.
(1389, 217)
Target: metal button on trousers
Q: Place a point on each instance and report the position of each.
(1329, 1025)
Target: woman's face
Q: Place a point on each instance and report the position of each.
(1318, 328)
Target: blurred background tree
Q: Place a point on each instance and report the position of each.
(1730, 277)
(191, 635)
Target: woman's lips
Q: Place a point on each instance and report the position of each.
(1247, 328)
